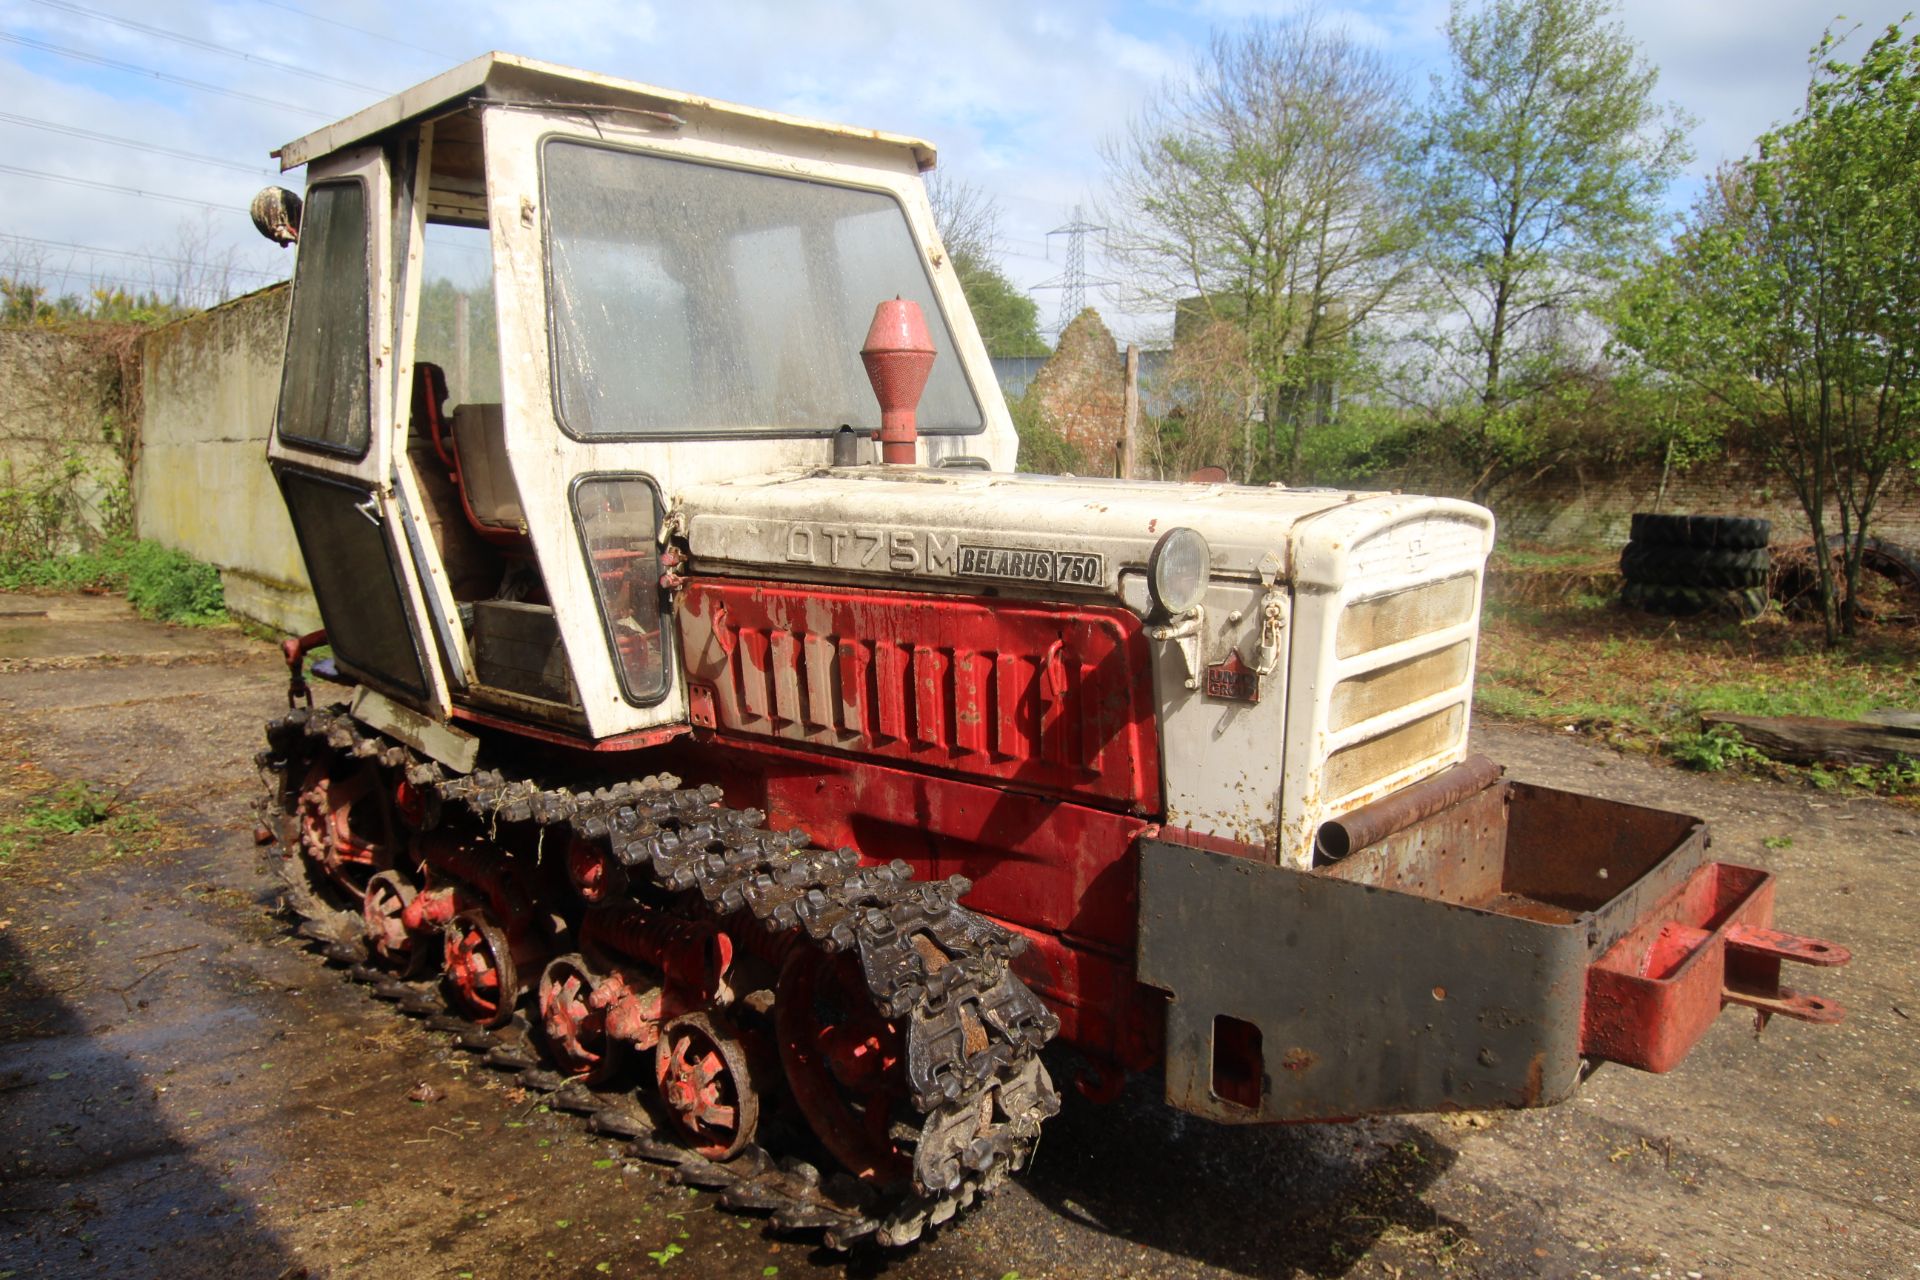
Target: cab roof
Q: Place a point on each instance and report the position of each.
(509, 78)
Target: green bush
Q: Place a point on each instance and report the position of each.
(1043, 451)
(161, 583)
(172, 586)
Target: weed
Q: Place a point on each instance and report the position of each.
(1716, 749)
(69, 809)
(1778, 842)
(1523, 556)
(172, 586)
(76, 808)
(163, 584)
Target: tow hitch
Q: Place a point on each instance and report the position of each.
(1703, 947)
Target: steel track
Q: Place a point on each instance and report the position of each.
(938, 971)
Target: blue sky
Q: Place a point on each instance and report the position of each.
(1017, 95)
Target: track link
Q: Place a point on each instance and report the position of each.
(972, 1030)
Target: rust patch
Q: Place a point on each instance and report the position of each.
(1297, 1059)
(1536, 1088)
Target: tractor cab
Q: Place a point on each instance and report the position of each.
(532, 303)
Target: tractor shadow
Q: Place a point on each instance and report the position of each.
(1259, 1201)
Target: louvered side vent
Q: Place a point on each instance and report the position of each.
(1382, 685)
(1051, 699)
(1405, 678)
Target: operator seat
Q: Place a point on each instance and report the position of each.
(473, 449)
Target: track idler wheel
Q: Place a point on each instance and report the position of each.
(345, 824)
(701, 1066)
(483, 967)
(842, 1059)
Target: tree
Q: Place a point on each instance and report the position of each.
(969, 223)
(1543, 164)
(1262, 192)
(1793, 297)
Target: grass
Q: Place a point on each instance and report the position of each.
(82, 813)
(161, 583)
(1641, 682)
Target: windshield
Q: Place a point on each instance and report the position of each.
(690, 299)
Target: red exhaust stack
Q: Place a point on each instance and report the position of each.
(899, 356)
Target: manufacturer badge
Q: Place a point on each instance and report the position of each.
(1233, 680)
(1068, 568)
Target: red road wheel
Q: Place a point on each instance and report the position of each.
(843, 1062)
(480, 969)
(573, 1011)
(387, 934)
(701, 1067)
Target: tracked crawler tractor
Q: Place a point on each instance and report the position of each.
(738, 749)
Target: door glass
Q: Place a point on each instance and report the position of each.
(355, 580)
(619, 521)
(323, 394)
(457, 330)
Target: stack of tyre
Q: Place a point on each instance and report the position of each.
(1679, 565)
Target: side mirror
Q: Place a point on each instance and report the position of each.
(276, 212)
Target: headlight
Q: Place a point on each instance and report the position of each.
(1177, 570)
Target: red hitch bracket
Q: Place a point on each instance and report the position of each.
(1708, 944)
(295, 650)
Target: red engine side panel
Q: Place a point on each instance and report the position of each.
(1044, 698)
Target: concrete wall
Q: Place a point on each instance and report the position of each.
(61, 394)
(200, 479)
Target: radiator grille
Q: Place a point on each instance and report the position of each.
(1056, 699)
(1354, 767)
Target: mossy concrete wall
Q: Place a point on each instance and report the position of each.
(61, 398)
(200, 479)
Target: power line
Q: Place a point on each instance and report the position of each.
(109, 186)
(73, 131)
(209, 45)
(138, 255)
(127, 282)
(438, 54)
(77, 55)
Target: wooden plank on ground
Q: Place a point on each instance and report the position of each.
(1812, 739)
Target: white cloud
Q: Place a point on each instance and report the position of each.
(1018, 94)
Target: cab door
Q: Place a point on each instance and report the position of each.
(332, 448)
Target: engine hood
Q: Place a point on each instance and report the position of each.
(937, 527)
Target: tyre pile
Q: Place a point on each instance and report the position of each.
(1681, 565)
